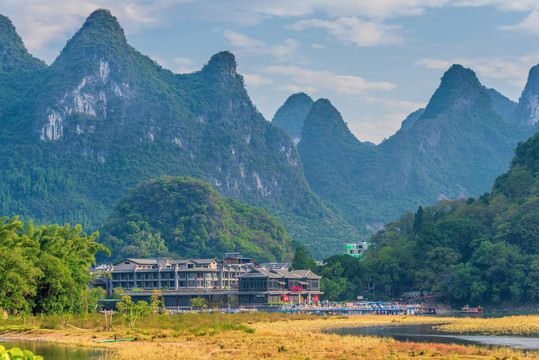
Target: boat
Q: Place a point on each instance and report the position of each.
(471, 310)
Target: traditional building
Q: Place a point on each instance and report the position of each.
(235, 280)
(262, 286)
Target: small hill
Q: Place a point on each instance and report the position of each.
(185, 217)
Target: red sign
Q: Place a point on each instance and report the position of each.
(296, 288)
(316, 298)
(285, 298)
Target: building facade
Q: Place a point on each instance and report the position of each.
(235, 280)
(263, 286)
(167, 274)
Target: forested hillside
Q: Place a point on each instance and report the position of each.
(186, 217)
(483, 250)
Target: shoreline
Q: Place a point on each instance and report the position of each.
(287, 337)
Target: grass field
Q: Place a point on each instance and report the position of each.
(263, 336)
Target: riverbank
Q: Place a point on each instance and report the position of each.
(250, 336)
(509, 325)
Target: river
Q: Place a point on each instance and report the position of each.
(427, 334)
(54, 351)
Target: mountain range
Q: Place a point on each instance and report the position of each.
(454, 148)
(75, 136)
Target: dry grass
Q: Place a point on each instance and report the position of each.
(510, 325)
(275, 336)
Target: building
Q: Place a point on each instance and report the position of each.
(262, 286)
(234, 280)
(167, 274)
(357, 250)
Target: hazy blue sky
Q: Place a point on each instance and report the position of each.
(376, 61)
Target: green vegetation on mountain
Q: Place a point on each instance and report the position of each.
(501, 104)
(528, 104)
(76, 135)
(291, 115)
(452, 149)
(13, 55)
(483, 250)
(44, 269)
(411, 119)
(186, 217)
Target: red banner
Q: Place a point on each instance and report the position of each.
(285, 298)
(296, 288)
(316, 299)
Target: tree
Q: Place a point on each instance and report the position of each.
(118, 293)
(198, 303)
(156, 300)
(131, 310)
(44, 269)
(303, 259)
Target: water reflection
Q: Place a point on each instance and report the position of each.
(428, 334)
(53, 351)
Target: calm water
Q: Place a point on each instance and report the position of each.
(427, 334)
(52, 351)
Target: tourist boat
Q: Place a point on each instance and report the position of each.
(471, 310)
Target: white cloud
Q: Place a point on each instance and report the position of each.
(381, 9)
(390, 114)
(184, 65)
(291, 88)
(377, 128)
(337, 8)
(529, 25)
(256, 80)
(355, 30)
(41, 22)
(512, 69)
(434, 63)
(403, 107)
(284, 51)
(326, 80)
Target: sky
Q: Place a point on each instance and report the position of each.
(375, 60)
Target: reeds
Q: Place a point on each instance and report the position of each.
(263, 335)
(510, 325)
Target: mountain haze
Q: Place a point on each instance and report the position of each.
(103, 117)
(527, 111)
(453, 148)
(291, 115)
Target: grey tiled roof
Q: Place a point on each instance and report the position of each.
(260, 273)
(306, 274)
